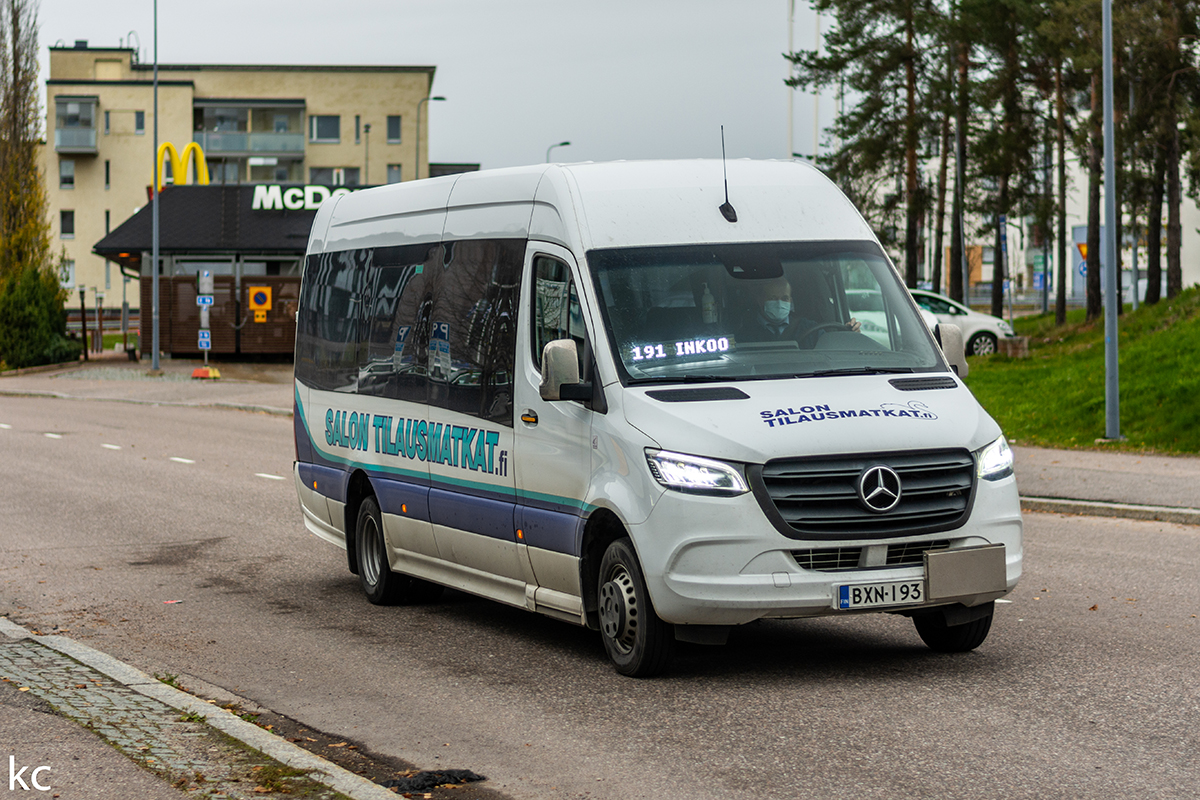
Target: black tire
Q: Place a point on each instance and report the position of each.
(943, 638)
(382, 586)
(982, 344)
(639, 644)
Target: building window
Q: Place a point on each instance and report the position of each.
(66, 173)
(106, 123)
(334, 176)
(281, 123)
(393, 125)
(66, 225)
(325, 128)
(107, 273)
(393, 173)
(139, 122)
(107, 173)
(74, 114)
(67, 274)
(357, 129)
(107, 222)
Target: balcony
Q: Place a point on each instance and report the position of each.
(244, 144)
(77, 141)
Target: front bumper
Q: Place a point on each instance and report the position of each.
(718, 561)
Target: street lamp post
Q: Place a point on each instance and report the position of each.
(551, 147)
(423, 101)
(154, 213)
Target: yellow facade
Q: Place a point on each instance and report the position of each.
(256, 124)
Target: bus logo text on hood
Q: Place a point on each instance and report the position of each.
(914, 409)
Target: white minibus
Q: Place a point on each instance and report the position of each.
(636, 396)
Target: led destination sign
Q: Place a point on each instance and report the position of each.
(691, 347)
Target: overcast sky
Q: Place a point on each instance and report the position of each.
(619, 79)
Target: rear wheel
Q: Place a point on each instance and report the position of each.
(379, 583)
(982, 344)
(638, 642)
(943, 638)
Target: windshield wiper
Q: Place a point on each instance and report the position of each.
(821, 373)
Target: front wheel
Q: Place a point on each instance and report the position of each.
(943, 638)
(638, 643)
(382, 586)
(982, 344)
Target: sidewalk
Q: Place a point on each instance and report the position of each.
(138, 736)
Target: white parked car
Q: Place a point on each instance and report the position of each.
(981, 332)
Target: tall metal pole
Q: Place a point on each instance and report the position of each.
(817, 97)
(417, 171)
(1112, 385)
(791, 73)
(1133, 228)
(154, 212)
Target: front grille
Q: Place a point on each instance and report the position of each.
(829, 559)
(842, 559)
(912, 554)
(818, 497)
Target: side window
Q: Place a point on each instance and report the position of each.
(472, 335)
(556, 310)
(328, 347)
(397, 332)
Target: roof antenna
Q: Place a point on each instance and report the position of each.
(726, 210)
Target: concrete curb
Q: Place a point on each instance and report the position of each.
(1055, 505)
(328, 773)
(274, 410)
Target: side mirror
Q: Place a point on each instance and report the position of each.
(560, 372)
(950, 338)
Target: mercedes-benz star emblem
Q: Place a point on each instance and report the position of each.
(879, 488)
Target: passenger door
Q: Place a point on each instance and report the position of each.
(469, 424)
(553, 448)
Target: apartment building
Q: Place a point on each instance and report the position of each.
(256, 124)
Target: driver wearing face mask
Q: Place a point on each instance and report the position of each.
(775, 317)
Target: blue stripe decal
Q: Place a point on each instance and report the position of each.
(553, 523)
(472, 514)
(402, 499)
(550, 530)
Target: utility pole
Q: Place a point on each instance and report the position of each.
(1112, 384)
(154, 213)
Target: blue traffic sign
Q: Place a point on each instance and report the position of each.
(205, 344)
(205, 336)
(204, 299)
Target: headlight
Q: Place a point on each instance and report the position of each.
(694, 474)
(995, 461)
(1005, 328)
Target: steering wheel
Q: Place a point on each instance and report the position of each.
(790, 331)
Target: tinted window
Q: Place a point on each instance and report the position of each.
(397, 325)
(327, 325)
(473, 331)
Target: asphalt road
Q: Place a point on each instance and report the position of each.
(1087, 687)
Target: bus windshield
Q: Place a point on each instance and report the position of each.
(758, 310)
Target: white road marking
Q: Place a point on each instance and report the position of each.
(5, 426)
(269, 476)
(179, 460)
(111, 446)
(52, 435)
(1004, 601)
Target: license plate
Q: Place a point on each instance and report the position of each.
(891, 593)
